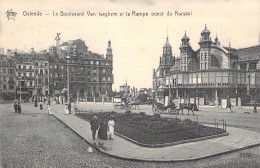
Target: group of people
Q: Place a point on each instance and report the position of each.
(17, 107)
(105, 128)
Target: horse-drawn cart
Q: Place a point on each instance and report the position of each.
(121, 103)
(172, 108)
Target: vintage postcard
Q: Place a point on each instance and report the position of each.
(117, 83)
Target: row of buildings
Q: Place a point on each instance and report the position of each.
(46, 73)
(210, 75)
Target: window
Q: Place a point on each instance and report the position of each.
(39, 81)
(4, 87)
(30, 67)
(91, 62)
(19, 66)
(4, 78)
(104, 70)
(31, 83)
(19, 74)
(11, 79)
(11, 87)
(30, 74)
(50, 67)
(41, 71)
(61, 67)
(24, 74)
(24, 67)
(56, 67)
(46, 64)
(4, 71)
(46, 71)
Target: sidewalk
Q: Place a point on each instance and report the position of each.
(119, 147)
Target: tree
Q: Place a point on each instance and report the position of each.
(142, 97)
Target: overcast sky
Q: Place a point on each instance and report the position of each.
(136, 41)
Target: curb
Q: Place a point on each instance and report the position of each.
(154, 160)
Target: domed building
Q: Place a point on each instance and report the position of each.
(210, 75)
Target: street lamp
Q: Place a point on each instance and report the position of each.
(20, 92)
(68, 78)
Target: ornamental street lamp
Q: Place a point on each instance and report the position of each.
(68, 78)
(20, 92)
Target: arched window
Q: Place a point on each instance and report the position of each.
(214, 61)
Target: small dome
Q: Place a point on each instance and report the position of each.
(167, 44)
(205, 30)
(185, 37)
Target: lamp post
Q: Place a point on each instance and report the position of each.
(20, 92)
(68, 79)
(255, 95)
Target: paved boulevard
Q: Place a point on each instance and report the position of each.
(34, 139)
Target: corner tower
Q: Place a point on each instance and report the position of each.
(166, 61)
(205, 45)
(109, 54)
(185, 50)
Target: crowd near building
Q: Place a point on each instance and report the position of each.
(211, 75)
(69, 66)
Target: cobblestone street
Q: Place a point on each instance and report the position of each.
(34, 139)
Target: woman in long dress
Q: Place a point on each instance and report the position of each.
(66, 109)
(49, 110)
(111, 125)
(102, 132)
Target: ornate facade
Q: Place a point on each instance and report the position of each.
(209, 75)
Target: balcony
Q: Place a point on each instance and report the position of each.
(29, 70)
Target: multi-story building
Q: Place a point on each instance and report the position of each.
(211, 75)
(25, 75)
(7, 78)
(90, 74)
(41, 73)
(57, 73)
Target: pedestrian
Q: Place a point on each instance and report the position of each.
(229, 106)
(49, 102)
(69, 107)
(41, 106)
(49, 110)
(66, 109)
(111, 125)
(15, 107)
(102, 132)
(19, 108)
(94, 126)
(35, 103)
(75, 107)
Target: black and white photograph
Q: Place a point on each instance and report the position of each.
(129, 84)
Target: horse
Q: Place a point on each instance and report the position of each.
(188, 107)
(134, 103)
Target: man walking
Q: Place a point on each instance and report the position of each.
(15, 107)
(94, 127)
(69, 107)
(19, 108)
